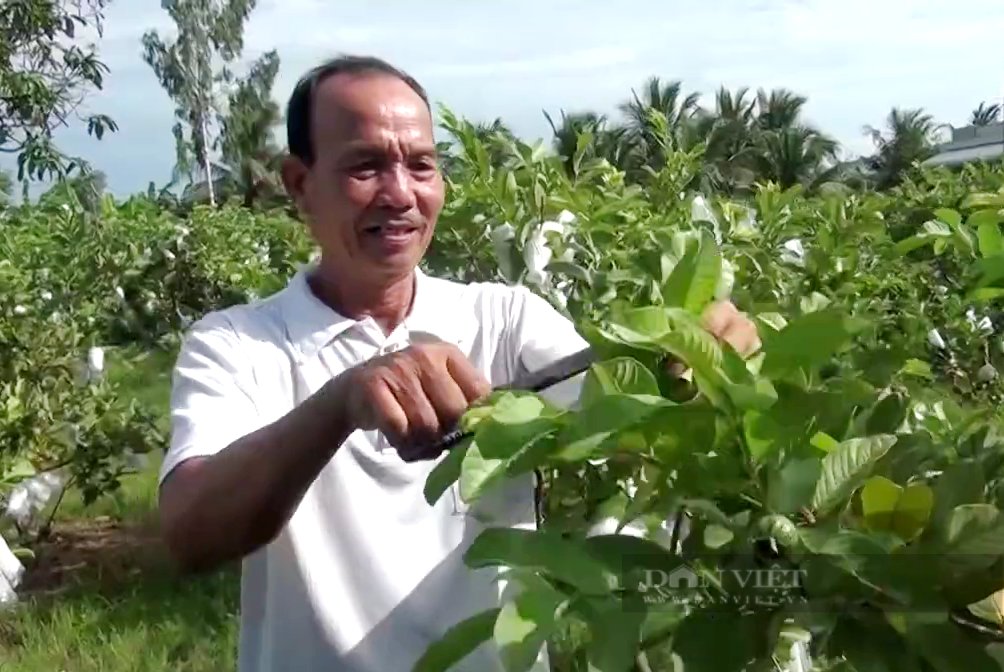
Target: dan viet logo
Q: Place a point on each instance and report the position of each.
(767, 586)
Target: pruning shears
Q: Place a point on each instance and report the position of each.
(556, 372)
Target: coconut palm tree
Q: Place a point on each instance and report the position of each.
(615, 144)
(762, 138)
(910, 139)
(678, 110)
(778, 109)
(984, 115)
(797, 154)
(727, 132)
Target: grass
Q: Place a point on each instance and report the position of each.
(99, 595)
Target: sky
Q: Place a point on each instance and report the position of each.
(854, 60)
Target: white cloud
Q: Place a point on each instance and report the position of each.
(584, 60)
(853, 60)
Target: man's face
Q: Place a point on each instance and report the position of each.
(374, 192)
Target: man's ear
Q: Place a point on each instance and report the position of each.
(294, 178)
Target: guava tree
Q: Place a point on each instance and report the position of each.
(832, 491)
(860, 512)
(48, 67)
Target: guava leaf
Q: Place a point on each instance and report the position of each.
(846, 468)
(459, 641)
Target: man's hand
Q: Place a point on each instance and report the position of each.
(727, 324)
(413, 396)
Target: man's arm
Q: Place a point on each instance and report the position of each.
(232, 479)
(229, 483)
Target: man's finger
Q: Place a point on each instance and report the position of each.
(468, 379)
(742, 336)
(447, 399)
(718, 316)
(388, 412)
(423, 421)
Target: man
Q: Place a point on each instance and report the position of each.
(299, 421)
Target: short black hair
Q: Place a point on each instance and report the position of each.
(298, 111)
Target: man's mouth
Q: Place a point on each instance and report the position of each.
(394, 229)
(394, 233)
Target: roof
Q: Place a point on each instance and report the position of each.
(963, 154)
(971, 143)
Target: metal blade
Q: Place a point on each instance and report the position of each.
(556, 372)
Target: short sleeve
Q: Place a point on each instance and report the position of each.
(212, 403)
(540, 335)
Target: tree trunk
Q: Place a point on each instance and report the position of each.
(207, 166)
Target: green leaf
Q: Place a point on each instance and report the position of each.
(23, 554)
(846, 468)
(692, 283)
(629, 558)
(642, 325)
(615, 628)
(888, 414)
(446, 472)
(849, 545)
(791, 488)
(824, 442)
(987, 225)
(716, 536)
(988, 271)
(18, 471)
(719, 372)
(459, 641)
(525, 623)
(760, 431)
(971, 537)
(600, 421)
(870, 644)
(808, 342)
(931, 232)
(947, 649)
(571, 270)
(512, 430)
(670, 430)
(918, 368)
(698, 640)
(547, 552)
(889, 507)
(961, 483)
(620, 375)
(989, 609)
(985, 294)
(773, 321)
(949, 216)
(814, 302)
(983, 200)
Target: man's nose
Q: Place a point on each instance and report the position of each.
(396, 189)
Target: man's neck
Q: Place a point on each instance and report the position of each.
(387, 303)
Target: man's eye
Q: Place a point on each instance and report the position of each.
(364, 168)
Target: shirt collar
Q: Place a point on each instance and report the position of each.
(436, 313)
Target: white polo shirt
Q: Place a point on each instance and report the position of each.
(366, 574)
